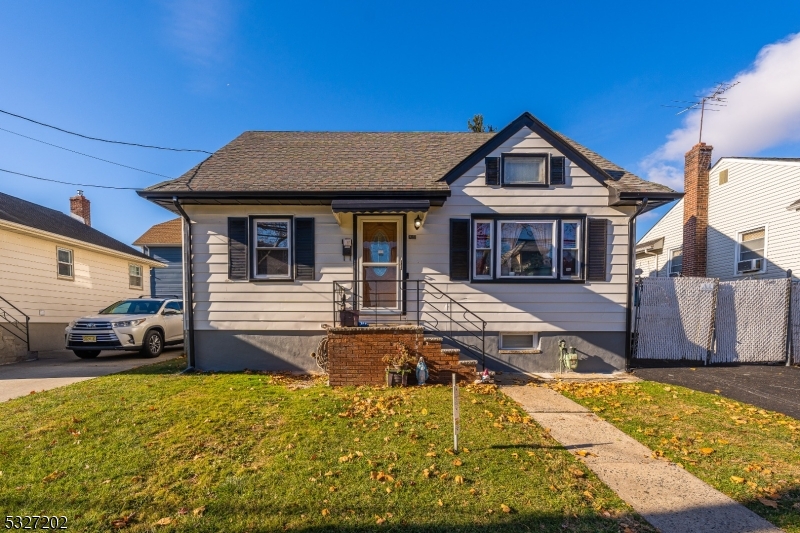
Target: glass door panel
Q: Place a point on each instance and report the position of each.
(380, 263)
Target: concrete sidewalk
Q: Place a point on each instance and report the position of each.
(667, 496)
(61, 367)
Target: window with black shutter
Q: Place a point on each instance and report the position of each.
(459, 249)
(597, 249)
(492, 170)
(558, 173)
(304, 248)
(237, 248)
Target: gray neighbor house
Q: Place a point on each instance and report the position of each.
(505, 243)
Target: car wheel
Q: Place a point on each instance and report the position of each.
(86, 354)
(153, 344)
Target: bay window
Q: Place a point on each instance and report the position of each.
(521, 249)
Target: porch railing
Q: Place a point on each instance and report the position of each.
(421, 302)
(18, 326)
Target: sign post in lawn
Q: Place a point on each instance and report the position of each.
(456, 415)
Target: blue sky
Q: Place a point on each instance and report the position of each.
(197, 73)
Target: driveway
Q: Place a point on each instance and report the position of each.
(60, 367)
(776, 388)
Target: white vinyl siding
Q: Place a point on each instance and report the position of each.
(221, 304)
(28, 268)
(670, 227)
(756, 195)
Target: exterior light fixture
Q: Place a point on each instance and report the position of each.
(417, 222)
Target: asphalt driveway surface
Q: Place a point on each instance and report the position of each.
(776, 388)
(61, 367)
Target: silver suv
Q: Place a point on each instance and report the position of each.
(145, 325)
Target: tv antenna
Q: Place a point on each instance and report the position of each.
(709, 102)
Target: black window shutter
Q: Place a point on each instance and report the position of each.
(459, 249)
(492, 170)
(597, 249)
(238, 247)
(304, 248)
(558, 174)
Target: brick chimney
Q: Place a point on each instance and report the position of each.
(79, 205)
(695, 209)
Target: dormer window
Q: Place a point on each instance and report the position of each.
(524, 169)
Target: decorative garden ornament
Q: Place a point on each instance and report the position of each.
(422, 371)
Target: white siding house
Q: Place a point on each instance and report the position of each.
(658, 253)
(752, 221)
(54, 269)
(517, 256)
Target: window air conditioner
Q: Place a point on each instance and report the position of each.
(751, 265)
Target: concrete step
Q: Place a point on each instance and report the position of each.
(451, 351)
(468, 362)
(429, 339)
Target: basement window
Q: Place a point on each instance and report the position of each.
(65, 264)
(518, 341)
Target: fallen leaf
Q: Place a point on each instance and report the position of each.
(459, 480)
(737, 479)
(505, 508)
(424, 412)
(164, 521)
(768, 503)
(430, 454)
(706, 451)
(326, 512)
(53, 476)
(457, 462)
(440, 503)
(379, 520)
(200, 511)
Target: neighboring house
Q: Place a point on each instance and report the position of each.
(746, 215)
(524, 228)
(55, 268)
(163, 242)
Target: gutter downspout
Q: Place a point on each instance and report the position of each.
(631, 274)
(190, 359)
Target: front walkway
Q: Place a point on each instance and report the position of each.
(667, 496)
(61, 367)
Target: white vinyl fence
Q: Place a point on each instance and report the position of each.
(705, 320)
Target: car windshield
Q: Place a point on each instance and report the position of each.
(133, 307)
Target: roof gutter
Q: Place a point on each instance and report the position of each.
(631, 272)
(190, 353)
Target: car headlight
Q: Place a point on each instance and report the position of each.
(128, 323)
(72, 324)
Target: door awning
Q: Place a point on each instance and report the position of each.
(373, 207)
(380, 206)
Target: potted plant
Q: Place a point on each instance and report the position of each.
(398, 368)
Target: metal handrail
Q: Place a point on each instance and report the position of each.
(16, 323)
(344, 296)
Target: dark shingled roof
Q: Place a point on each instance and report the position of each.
(329, 161)
(35, 216)
(286, 162)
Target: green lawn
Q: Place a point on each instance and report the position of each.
(750, 454)
(152, 449)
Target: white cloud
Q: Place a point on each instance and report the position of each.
(200, 28)
(763, 111)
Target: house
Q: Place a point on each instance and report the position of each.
(742, 217)
(163, 242)
(519, 239)
(55, 268)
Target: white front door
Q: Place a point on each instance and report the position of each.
(380, 262)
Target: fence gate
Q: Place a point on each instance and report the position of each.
(752, 321)
(675, 318)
